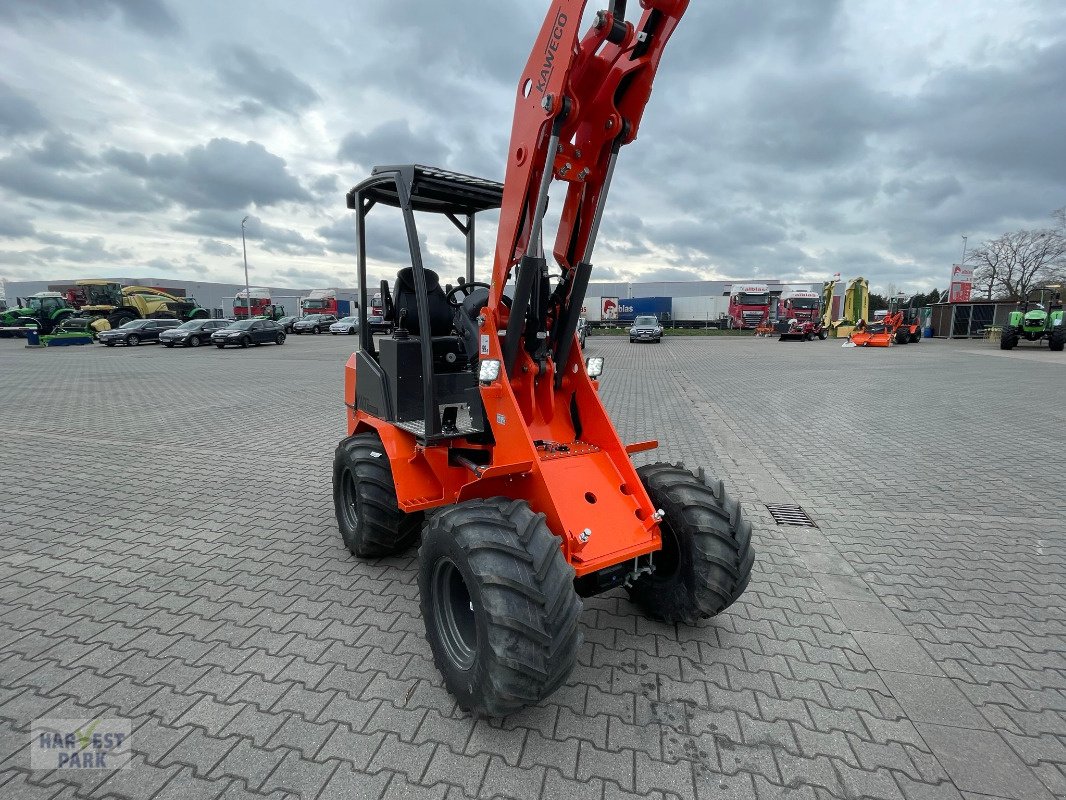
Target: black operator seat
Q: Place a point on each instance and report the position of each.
(448, 353)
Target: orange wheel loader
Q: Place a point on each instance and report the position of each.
(477, 425)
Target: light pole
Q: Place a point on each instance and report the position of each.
(965, 238)
(247, 288)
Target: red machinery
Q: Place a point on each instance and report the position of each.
(479, 423)
(901, 325)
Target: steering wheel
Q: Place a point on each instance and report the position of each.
(467, 289)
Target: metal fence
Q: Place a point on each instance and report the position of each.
(968, 320)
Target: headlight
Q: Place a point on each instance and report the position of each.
(632, 330)
(594, 366)
(488, 370)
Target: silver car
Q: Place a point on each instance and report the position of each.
(348, 325)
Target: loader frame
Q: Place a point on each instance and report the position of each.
(535, 429)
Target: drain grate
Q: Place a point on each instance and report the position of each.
(790, 515)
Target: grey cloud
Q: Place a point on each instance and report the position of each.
(78, 182)
(212, 223)
(244, 71)
(285, 241)
(393, 143)
(325, 184)
(997, 121)
(339, 234)
(60, 151)
(16, 226)
(314, 277)
(148, 16)
(71, 250)
(213, 247)
(18, 115)
(812, 121)
(221, 174)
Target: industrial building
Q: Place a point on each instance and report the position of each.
(219, 296)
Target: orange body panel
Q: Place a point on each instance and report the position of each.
(591, 486)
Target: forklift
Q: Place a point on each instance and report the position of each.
(477, 428)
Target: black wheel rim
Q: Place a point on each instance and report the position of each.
(348, 501)
(453, 610)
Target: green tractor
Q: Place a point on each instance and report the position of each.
(1035, 322)
(43, 311)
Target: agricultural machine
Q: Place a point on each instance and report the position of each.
(800, 318)
(115, 304)
(478, 424)
(1037, 322)
(902, 324)
(43, 311)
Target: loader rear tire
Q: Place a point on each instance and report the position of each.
(916, 336)
(902, 336)
(499, 604)
(364, 500)
(706, 559)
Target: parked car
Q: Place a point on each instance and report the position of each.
(313, 323)
(376, 321)
(193, 333)
(287, 322)
(349, 325)
(646, 329)
(582, 331)
(249, 331)
(136, 331)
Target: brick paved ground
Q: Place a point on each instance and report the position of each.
(910, 647)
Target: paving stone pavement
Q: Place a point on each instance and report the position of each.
(168, 554)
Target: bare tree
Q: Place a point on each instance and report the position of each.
(1059, 216)
(1010, 266)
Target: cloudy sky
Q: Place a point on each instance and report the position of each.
(787, 139)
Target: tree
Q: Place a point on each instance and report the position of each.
(878, 302)
(1012, 265)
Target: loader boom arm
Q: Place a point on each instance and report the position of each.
(578, 101)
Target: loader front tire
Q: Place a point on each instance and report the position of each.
(499, 604)
(1057, 338)
(706, 559)
(1008, 339)
(364, 499)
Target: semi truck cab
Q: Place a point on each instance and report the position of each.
(749, 304)
(800, 305)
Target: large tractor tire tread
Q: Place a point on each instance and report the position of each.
(1008, 339)
(707, 555)
(119, 318)
(369, 518)
(1057, 338)
(523, 609)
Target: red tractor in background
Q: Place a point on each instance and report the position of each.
(477, 425)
